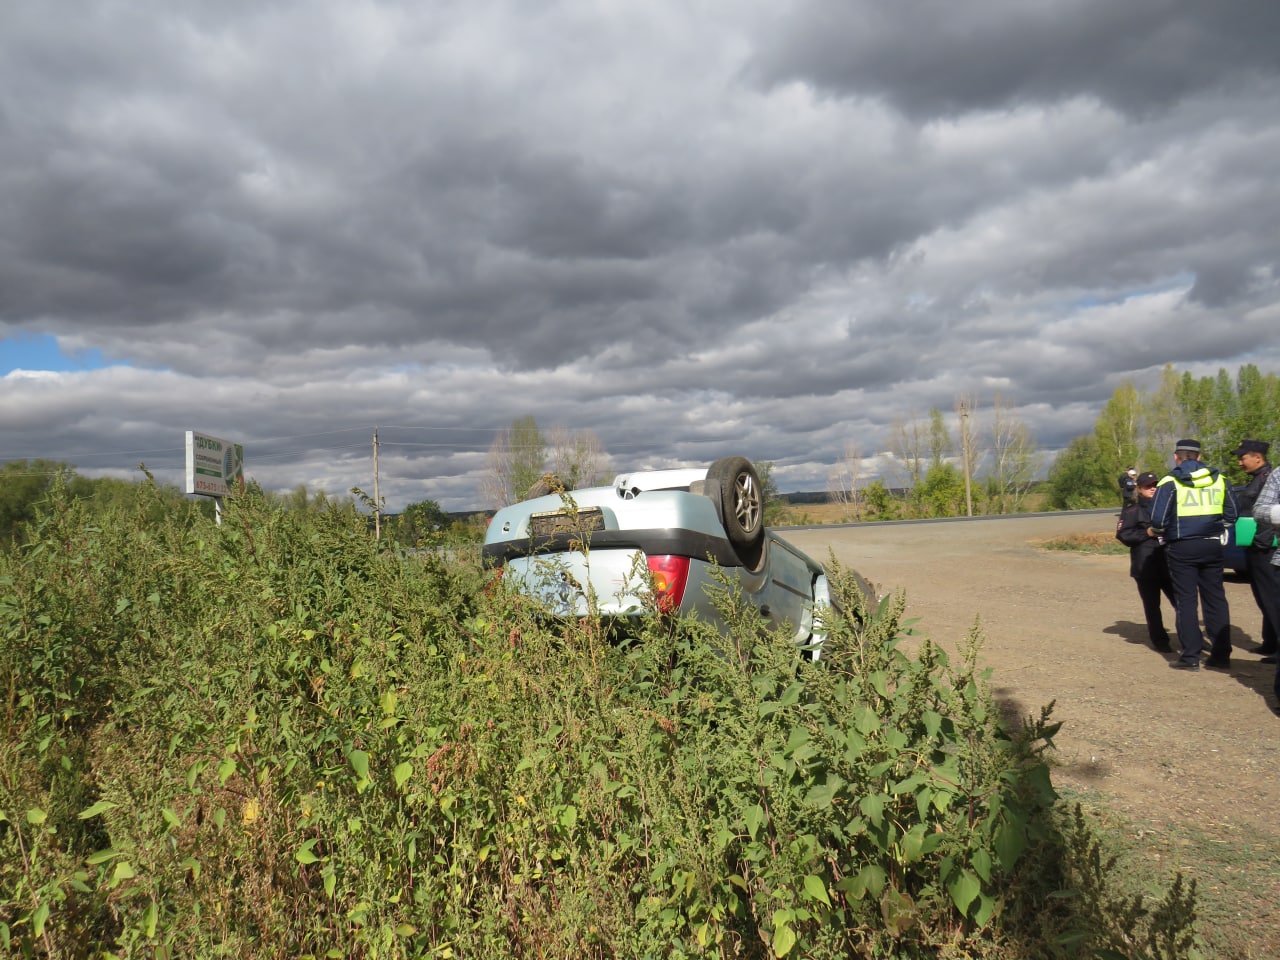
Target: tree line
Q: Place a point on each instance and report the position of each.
(987, 463)
(1139, 427)
(931, 471)
(939, 472)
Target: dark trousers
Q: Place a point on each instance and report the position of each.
(1195, 567)
(1152, 582)
(1264, 580)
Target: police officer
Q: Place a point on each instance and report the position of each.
(1146, 559)
(1264, 579)
(1192, 506)
(1128, 487)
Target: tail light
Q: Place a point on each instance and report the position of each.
(670, 574)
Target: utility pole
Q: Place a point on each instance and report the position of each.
(966, 448)
(377, 498)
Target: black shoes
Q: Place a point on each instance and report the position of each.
(1163, 647)
(1183, 665)
(1218, 663)
(1268, 659)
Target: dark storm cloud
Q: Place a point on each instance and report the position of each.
(930, 58)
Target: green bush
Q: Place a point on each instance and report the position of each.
(278, 738)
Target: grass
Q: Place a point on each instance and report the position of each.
(1237, 877)
(1093, 543)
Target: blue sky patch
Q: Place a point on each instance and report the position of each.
(41, 352)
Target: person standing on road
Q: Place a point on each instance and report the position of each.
(1129, 487)
(1192, 507)
(1146, 559)
(1264, 579)
(1267, 512)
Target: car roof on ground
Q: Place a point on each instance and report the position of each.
(627, 485)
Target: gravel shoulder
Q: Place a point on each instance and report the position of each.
(1065, 627)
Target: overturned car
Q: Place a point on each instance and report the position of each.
(659, 539)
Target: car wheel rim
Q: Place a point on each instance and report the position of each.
(748, 503)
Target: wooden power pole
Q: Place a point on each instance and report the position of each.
(377, 497)
(966, 450)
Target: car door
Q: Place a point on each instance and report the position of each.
(783, 589)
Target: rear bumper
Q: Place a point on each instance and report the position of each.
(657, 542)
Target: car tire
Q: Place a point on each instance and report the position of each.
(741, 505)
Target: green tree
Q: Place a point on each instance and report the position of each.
(1217, 435)
(1220, 411)
(880, 502)
(772, 502)
(301, 500)
(1078, 479)
(420, 523)
(1258, 411)
(1195, 397)
(23, 485)
(942, 493)
(1117, 430)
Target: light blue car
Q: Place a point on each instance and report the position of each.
(654, 540)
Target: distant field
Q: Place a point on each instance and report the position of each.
(804, 513)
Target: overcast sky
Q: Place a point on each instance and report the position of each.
(695, 228)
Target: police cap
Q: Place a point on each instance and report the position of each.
(1251, 446)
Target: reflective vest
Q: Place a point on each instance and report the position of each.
(1203, 497)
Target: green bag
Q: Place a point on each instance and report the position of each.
(1246, 527)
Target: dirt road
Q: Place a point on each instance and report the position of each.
(1062, 626)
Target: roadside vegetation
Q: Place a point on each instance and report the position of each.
(1102, 542)
(278, 737)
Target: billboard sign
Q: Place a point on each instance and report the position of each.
(215, 468)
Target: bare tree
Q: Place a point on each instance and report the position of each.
(577, 457)
(939, 438)
(843, 485)
(907, 442)
(1015, 458)
(515, 462)
(523, 462)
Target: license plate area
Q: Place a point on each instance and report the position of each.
(552, 522)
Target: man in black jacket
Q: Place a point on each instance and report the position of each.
(1264, 579)
(1146, 559)
(1128, 487)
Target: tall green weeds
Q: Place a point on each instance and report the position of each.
(277, 738)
